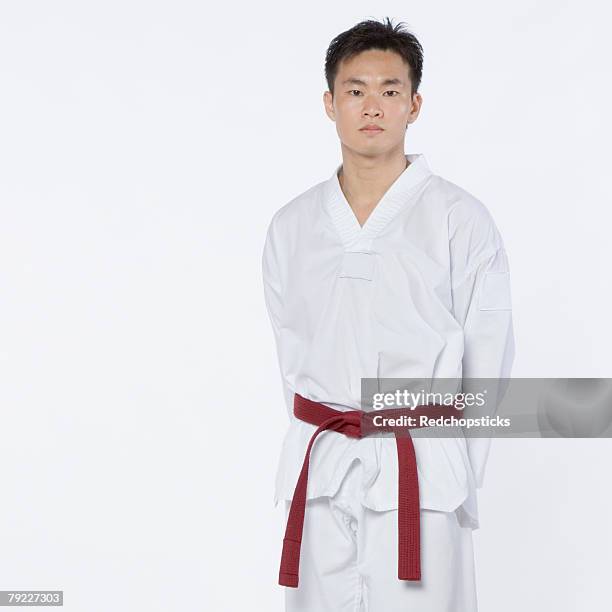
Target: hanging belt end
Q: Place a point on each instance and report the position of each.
(288, 580)
(414, 574)
(290, 563)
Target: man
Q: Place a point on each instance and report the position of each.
(384, 270)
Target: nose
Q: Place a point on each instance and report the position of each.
(371, 108)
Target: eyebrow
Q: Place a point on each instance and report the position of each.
(356, 81)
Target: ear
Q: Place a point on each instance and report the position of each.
(328, 103)
(417, 101)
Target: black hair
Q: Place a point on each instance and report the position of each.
(370, 34)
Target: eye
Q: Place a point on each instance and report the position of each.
(352, 90)
(392, 91)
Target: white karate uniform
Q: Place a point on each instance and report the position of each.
(421, 291)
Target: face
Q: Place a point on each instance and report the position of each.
(372, 88)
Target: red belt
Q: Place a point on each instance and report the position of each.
(357, 424)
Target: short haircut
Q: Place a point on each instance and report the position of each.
(372, 34)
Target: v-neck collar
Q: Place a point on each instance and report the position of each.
(393, 199)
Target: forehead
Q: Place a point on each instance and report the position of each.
(373, 65)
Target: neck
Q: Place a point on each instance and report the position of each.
(364, 180)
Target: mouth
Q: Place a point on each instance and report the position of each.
(371, 130)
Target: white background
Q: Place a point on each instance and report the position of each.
(144, 147)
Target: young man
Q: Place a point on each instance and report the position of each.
(384, 270)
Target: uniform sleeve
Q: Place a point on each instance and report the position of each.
(273, 297)
(482, 304)
(272, 280)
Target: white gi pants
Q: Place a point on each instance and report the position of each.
(348, 560)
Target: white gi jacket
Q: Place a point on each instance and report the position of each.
(420, 291)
